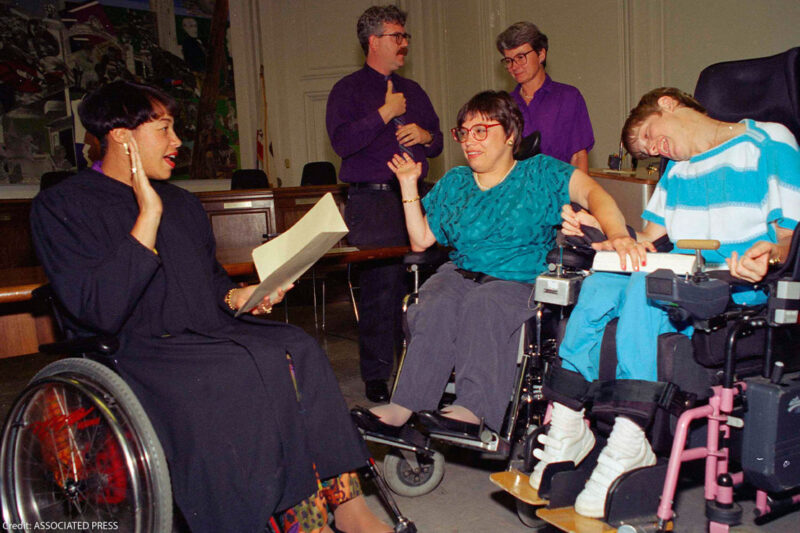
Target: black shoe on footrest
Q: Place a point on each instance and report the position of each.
(376, 390)
(366, 420)
(437, 423)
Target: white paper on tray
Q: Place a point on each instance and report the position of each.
(608, 261)
(282, 260)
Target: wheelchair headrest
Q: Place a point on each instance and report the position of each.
(764, 88)
(529, 147)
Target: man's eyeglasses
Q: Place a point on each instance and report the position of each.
(398, 37)
(479, 132)
(519, 59)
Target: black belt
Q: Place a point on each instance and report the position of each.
(375, 186)
(477, 277)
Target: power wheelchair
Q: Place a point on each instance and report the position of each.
(77, 448)
(740, 373)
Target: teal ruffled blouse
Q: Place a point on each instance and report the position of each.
(505, 231)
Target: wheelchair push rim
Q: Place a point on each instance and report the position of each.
(75, 449)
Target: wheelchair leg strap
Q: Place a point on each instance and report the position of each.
(566, 387)
(635, 399)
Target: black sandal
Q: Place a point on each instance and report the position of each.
(369, 422)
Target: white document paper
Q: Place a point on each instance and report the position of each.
(608, 261)
(280, 261)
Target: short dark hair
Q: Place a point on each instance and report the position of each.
(371, 22)
(495, 105)
(647, 106)
(122, 104)
(520, 33)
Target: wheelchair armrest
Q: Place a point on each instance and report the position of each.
(578, 252)
(577, 258)
(99, 344)
(433, 256)
(81, 345)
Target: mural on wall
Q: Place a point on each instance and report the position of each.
(53, 51)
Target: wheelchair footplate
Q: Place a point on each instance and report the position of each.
(629, 494)
(486, 441)
(516, 483)
(566, 519)
(409, 439)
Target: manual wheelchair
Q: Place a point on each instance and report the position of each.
(78, 448)
(415, 465)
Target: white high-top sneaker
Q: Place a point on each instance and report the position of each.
(627, 448)
(568, 439)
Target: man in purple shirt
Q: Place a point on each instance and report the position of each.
(556, 110)
(373, 114)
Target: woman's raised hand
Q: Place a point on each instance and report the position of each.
(405, 168)
(145, 229)
(148, 199)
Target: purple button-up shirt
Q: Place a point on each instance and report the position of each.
(357, 131)
(559, 113)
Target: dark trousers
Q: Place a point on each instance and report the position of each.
(471, 327)
(375, 218)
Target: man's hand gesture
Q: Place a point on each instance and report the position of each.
(394, 104)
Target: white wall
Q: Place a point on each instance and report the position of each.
(612, 50)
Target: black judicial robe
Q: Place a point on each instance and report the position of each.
(218, 389)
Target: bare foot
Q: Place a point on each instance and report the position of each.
(353, 516)
(392, 414)
(460, 413)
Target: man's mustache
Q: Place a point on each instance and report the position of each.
(403, 51)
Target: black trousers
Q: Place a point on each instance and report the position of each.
(375, 218)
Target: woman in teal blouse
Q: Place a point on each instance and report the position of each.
(497, 214)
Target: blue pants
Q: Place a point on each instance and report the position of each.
(605, 296)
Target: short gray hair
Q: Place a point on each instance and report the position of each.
(371, 22)
(520, 33)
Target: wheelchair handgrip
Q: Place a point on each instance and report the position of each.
(698, 244)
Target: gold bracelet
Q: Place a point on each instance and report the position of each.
(228, 299)
(411, 201)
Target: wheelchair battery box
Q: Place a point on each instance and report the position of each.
(784, 303)
(771, 435)
(557, 289)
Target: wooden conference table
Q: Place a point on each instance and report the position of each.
(17, 284)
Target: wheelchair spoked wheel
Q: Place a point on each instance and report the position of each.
(78, 447)
(407, 480)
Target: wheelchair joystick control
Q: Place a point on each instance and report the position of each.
(777, 373)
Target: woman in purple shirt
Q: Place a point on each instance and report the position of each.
(556, 110)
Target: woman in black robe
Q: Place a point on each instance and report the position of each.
(135, 257)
